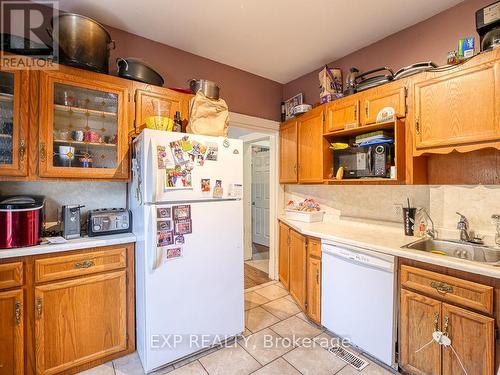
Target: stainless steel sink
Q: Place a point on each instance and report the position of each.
(458, 249)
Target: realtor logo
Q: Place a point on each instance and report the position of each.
(27, 36)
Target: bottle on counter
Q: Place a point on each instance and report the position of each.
(177, 122)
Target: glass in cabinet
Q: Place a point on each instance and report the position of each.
(83, 129)
(13, 122)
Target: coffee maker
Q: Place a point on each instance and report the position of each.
(488, 26)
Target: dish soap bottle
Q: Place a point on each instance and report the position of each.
(177, 122)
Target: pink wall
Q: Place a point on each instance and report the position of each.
(244, 92)
(428, 40)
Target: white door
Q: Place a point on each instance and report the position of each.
(260, 196)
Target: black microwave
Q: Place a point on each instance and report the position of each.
(360, 162)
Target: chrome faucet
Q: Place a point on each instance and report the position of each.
(467, 235)
(463, 227)
(432, 232)
(496, 221)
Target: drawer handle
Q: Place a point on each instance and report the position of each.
(85, 264)
(442, 287)
(17, 312)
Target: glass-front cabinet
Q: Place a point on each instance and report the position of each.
(13, 122)
(83, 127)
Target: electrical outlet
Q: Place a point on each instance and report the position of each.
(397, 211)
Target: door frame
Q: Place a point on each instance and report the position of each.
(268, 129)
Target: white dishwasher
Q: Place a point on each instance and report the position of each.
(358, 298)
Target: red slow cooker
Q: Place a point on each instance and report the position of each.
(21, 219)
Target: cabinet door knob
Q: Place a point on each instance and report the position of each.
(436, 322)
(22, 149)
(42, 151)
(317, 276)
(39, 306)
(446, 322)
(417, 126)
(18, 312)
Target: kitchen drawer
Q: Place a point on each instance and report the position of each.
(86, 263)
(447, 288)
(314, 247)
(11, 275)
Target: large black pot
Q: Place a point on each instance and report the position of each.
(138, 70)
(82, 42)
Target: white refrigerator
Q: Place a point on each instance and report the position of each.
(187, 210)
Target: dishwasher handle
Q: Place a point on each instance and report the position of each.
(363, 257)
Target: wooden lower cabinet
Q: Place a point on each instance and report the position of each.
(11, 332)
(297, 271)
(300, 270)
(472, 338)
(314, 289)
(419, 317)
(66, 312)
(284, 254)
(79, 320)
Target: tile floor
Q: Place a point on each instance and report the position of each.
(270, 314)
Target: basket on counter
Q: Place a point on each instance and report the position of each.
(305, 216)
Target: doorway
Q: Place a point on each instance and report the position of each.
(260, 205)
(260, 195)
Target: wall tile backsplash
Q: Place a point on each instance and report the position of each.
(477, 203)
(91, 194)
(370, 202)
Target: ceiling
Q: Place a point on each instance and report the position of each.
(276, 39)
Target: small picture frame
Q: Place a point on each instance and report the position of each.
(164, 238)
(172, 253)
(183, 227)
(291, 103)
(182, 212)
(164, 213)
(163, 225)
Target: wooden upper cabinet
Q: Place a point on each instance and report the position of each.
(79, 320)
(390, 95)
(419, 318)
(288, 152)
(153, 103)
(314, 289)
(472, 336)
(311, 146)
(12, 333)
(342, 114)
(83, 126)
(14, 113)
(297, 268)
(284, 255)
(458, 109)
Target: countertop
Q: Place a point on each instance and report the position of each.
(75, 244)
(384, 239)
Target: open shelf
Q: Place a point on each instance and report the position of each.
(83, 111)
(95, 144)
(396, 129)
(6, 97)
(361, 130)
(363, 181)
